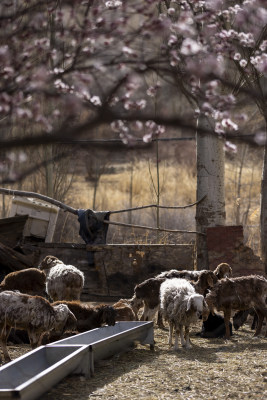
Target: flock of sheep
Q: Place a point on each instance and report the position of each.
(45, 302)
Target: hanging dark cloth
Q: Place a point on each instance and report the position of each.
(93, 230)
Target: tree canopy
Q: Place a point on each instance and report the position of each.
(69, 66)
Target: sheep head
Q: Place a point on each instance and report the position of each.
(223, 270)
(65, 320)
(195, 304)
(210, 299)
(49, 262)
(108, 316)
(136, 304)
(206, 280)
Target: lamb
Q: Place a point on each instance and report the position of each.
(126, 310)
(181, 306)
(63, 282)
(33, 314)
(214, 327)
(30, 281)
(240, 293)
(90, 317)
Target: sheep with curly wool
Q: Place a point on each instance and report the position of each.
(63, 282)
(33, 314)
(181, 306)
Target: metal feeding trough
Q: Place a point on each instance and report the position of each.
(109, 340)
(30, 376)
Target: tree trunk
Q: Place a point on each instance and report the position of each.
(263, 217)
(210, 182)
(49, 173)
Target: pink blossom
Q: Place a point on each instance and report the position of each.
(243, 63)
(96, 101)
(237, 56)
(229, 124)
(190, 47)
(228, 146)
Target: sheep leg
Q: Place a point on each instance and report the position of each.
(178, 330)
(3, 343)
(160, 321)
(187, 338)
(170, 333)
(176, 340)
(254, 322)
(149, 313)
(183, 342)
(227, 315)
(260, 314)
(144, 316)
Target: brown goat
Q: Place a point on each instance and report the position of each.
(90, 317)
(124, 311)
(205, 281)
(29, 281)
(223, 270)
(239, 293)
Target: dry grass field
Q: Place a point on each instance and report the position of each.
(214, 369)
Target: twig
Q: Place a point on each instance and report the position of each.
(151, 228)
(155, 205)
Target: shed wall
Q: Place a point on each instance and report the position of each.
(118, 268)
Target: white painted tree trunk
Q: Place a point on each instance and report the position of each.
(263, 217)
(49, 172)
(210, 182)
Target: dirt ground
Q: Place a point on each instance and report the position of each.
(212, 369)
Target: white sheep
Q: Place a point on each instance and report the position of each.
(181, 306)
(63, 282)
(33, 314)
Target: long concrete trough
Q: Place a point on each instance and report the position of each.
(31, 375)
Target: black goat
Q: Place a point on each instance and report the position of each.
(214, 327)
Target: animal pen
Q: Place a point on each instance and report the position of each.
(111, 271)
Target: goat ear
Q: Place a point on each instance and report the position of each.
(49, 260)
(210, 281)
